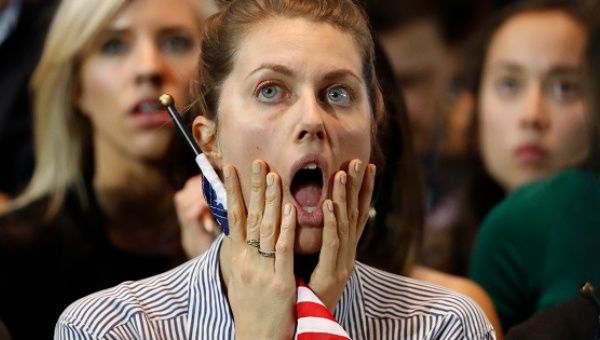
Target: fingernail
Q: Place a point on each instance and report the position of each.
(226, 172)
(287, 209)
(343, 178)
(270, 179)
(373, 169)
(357, 166)
(329, 205)
(256, 167)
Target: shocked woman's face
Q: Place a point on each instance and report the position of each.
(296, 99)
(149, 48)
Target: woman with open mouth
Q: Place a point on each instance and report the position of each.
(286, 108)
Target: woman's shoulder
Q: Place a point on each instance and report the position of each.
(536, 205)
(132, 304)
(394, 296)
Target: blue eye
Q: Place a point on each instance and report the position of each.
(565, 90)
(508, 85)
(113, 46)
(176, 44)
(338, 95)
(270, 93)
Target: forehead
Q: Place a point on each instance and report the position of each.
(299, 44)
(541, 39)
(153, 13)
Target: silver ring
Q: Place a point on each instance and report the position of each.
(253, 243)
(267, 253)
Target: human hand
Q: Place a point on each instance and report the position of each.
(345, 217)
(198, 228)
(261, 287)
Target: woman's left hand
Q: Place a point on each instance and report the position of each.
(345, 217)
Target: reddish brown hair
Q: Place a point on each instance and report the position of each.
(223, 32)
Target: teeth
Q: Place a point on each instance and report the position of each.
(149, 107)
(309, 209)
(311, 166)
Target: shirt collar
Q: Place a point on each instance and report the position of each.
(349, 305)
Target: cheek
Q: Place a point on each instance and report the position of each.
(98, 89)
(355, 142)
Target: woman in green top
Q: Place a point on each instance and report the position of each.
(543, 241)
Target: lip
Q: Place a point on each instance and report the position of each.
(304, 217)
(143, 118)
(531, 154)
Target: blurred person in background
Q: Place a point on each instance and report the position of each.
(531, 124)
(425, 42)
(98, 210)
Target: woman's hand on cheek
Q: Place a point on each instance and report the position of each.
(261, 287)
(345, 217)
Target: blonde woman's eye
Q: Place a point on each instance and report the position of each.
(177, 44)
(338, 95)
(270, 93)
(113, 47)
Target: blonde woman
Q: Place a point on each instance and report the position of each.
(99, 208)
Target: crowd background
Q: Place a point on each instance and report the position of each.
(456, 176)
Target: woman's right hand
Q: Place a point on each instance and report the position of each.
(261, 289)
(198, 228)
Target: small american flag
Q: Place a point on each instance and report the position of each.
(315, 322)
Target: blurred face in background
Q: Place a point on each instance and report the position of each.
(149, 48)
(420, 61)
(531, 106)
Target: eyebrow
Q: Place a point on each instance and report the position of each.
(336, 74)
(560, 69)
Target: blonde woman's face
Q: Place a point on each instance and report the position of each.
(532, 113)
(296, 97)
(150, 48)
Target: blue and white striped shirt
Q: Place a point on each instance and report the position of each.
(188, 302)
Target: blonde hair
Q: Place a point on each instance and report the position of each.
(61, 132)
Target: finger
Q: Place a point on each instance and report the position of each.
(356, 173)
(272, 214)
(330, 243)
(340, 206)
(366, 193)
(236, 211)
(257, 201)
(284, 249)
(209, 224)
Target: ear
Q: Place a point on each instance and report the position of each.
(205, 134)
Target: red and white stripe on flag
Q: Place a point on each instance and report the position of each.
(315, 322)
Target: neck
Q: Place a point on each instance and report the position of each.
(137, 201)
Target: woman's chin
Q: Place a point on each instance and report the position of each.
(308, 240)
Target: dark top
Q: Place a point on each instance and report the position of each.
(573, 320)
(19, 55)
(536, 248)
(46, 266)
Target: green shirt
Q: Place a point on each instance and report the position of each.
(536, 247)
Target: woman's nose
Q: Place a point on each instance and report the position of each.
(312, 126)
(149, 64)
(535, 114)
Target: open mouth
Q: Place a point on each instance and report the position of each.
(148, 107)
(307, 187)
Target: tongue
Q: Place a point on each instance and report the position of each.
(308, 195)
